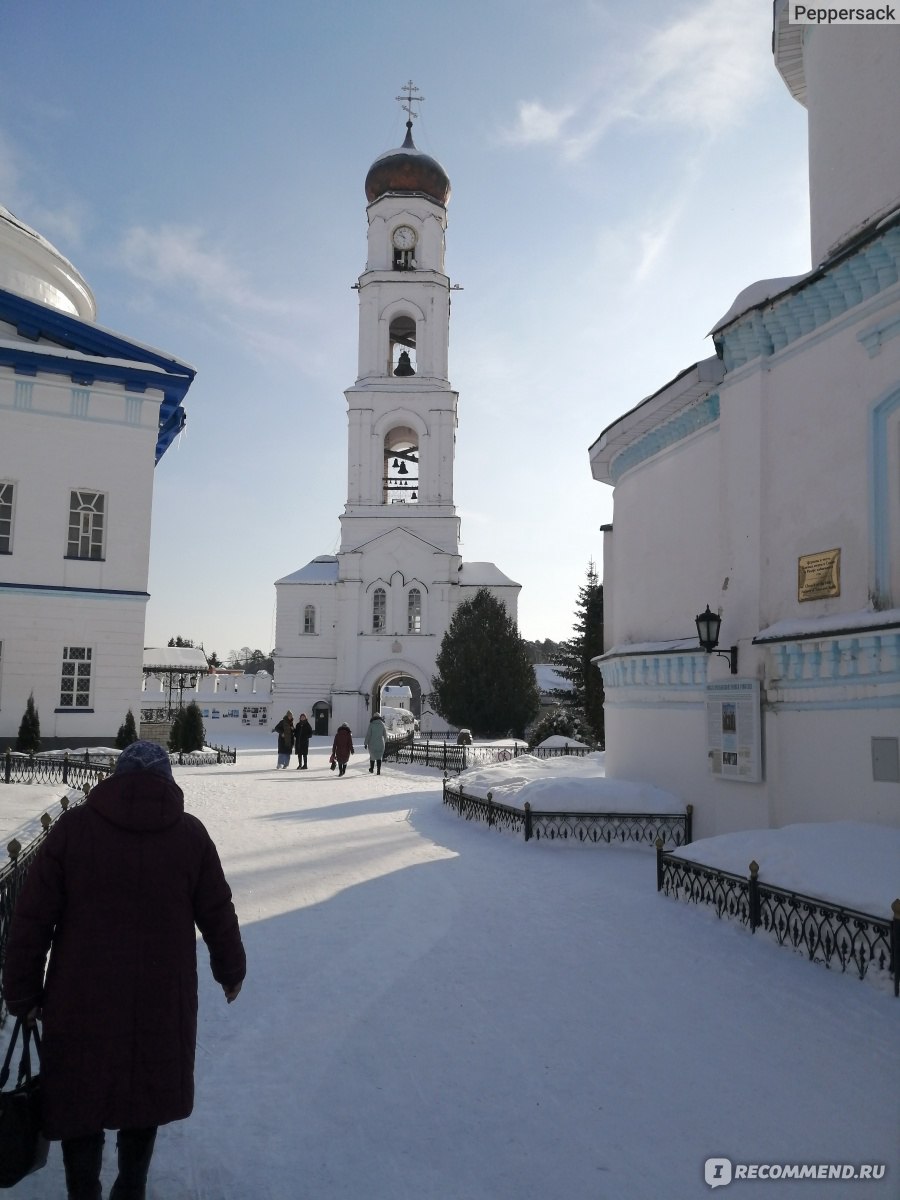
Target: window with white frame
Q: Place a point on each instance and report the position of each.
(87, 512)
(309, 619)
(414, 611)
(379, 610)
(7, 498)
(75, 686)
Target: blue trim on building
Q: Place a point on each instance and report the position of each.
(52, 589)
(39, 322)
(689, 421)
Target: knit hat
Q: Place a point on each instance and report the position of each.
(144, 756)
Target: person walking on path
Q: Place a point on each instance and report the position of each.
(114, 894)
(376, 737)
(302, 734)
(285, 731)
(342, 748)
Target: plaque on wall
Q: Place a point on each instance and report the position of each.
(819, 575)
(733, 730)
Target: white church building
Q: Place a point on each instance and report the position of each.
(85, 414)
(764, 483)
(375, 613)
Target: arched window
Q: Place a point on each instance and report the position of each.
(414, 611)
(402, 336)
(309, 619)
(401, 466)
(379, 610)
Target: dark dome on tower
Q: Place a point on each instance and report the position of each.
(408, 170)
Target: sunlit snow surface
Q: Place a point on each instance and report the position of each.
(436, 1010)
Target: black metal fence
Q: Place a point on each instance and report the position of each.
(446, 757)
(825, 932)
(39, 768)
(598, 827)
(12, 876)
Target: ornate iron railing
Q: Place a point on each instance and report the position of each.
(598, 827)
(37, 768)
(224, 754)
(12, 876)
(827, 933)
(446, 757)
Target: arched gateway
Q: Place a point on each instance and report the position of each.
(377, 611)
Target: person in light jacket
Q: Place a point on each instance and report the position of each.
(376, 736)
(114, 895)
(342, 747)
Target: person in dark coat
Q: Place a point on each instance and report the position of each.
(302, 734)
(285, 731)
(376, 737)
(342, 747)
(114, 895)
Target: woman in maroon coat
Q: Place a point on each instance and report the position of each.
(342, 747)
(114, 895)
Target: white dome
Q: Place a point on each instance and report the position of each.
(30, 266)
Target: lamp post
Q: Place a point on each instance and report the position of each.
(708, 625)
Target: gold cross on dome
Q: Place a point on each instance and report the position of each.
(412, 97)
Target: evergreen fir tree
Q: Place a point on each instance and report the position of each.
(193, 735)
(127, 732)
(485, 679)
(573, 659)
(29, 739)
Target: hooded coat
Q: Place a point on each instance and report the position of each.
(342, 746)
(114, 894)
(376, 736)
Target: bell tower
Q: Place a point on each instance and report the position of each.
(349, 624)
(402, 410)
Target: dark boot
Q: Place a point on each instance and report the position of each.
(343, 767)
(379, 766)
(135, 1151)
(371, 767)
(82, 1159)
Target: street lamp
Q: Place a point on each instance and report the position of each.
(708, 625)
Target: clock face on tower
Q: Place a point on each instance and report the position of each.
(404, 238)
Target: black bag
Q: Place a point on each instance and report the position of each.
(23, 1149)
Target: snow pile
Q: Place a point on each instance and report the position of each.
(845, 862)
(558, 741)
(575, 783)
(398, 720)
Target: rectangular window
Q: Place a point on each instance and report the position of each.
(86, 525)
(309, 619)
(379, 610)
(7, 497)
(75, 686)
(414, 611)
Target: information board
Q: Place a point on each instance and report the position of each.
(733, 730)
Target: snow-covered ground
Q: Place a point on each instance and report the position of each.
(436, 1010)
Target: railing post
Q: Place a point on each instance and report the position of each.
(528, 829)
(755, 921)
(14, 849)
(445, 756)
(895, 946)
(65, 777)
(689, 825)
(659, 864)
(490, 800)
(7, 765)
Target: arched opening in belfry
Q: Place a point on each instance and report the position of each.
(401, 466)
(404, 692)
(402, 353)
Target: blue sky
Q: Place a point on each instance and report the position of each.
(619, 173)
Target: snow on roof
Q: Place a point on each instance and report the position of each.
(549, 679)
(323, 569)
(671, 647)
(810, 627)
(174, 658)
(757, 294)
(484, 574)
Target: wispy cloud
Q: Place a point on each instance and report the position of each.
(700, 71)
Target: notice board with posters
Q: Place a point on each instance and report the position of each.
(734, 730)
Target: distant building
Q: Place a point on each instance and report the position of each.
(346, 625)
(229, 701)
(765, 483)
(85, 414)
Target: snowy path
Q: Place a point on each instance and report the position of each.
(437, 1011)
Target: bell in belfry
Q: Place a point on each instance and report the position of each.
(404, 366)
